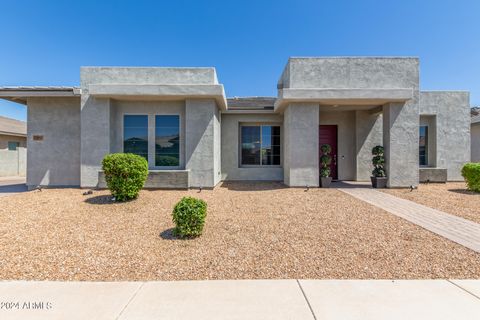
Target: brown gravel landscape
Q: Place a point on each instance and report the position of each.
(451, 197)
(266, 232)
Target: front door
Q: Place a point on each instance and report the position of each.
(327, 134)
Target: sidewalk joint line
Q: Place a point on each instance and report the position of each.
(306, 299)
(462, 288)
(130, 300)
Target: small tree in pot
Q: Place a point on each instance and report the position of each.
(325, 161)
(379, 177)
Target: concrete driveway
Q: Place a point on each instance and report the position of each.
(12, 185)
(242, 299)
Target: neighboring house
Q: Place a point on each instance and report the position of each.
(13, 141)
(192, 136)
(475, 131)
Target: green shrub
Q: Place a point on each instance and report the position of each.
(471, 173)
(189, 217)
(125, 174)
(325, 160)
(378, 162)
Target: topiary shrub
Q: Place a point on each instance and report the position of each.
(378, 162)
(189, 217)
(471, 174)
(125, 174)
(325, 160)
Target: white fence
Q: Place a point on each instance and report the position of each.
(13, 162)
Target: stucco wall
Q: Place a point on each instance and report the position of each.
(452, 111)
(475, 136)
(345, 121)
(146, 75)
(13, 162)
(231, 168)
(351, 72)
(201, 126)
(55, 160)
(301, 158)
(151, 109)
(5, 139)
(369, 133)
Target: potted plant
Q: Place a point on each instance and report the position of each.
(379, 177)
(325, 161)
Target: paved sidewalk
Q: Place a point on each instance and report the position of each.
(459, 230)
(12, 185)
(242, 299)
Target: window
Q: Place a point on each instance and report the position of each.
(167, 141)
(135, 135)
(423, 146)
(260, 145)
(13, 145)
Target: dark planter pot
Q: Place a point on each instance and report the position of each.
(379, 182)
(325, 182)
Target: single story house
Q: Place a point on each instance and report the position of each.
(13, 141)
(475, 130)
(180, 120)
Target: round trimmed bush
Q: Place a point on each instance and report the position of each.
(189, 217)
(471, 173)
(125, 174)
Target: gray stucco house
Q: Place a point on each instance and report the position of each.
(180, 120)
(475, 130)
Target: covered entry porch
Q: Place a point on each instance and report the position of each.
(352, 127)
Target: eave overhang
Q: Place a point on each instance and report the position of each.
(145, 91)
(342, 96)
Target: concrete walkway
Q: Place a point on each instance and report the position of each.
(12, 185)
(459, 230)
(242, 299)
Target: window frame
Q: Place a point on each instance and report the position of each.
(426, 145)
(180, 130)
(148, 132)
(17, 145)
(259, 124)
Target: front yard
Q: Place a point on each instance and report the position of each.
(253, 231)
(451, 197)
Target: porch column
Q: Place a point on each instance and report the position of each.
(202, 142)
(301, 163)
(400, 139)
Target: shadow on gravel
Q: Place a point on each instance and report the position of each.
(104, 199)
(253, 186)
(464, 191)
(168, 235)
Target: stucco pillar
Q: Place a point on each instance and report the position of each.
(368, 129)
(95, 137)
(301, 158)
(400, 139)
(202, 142)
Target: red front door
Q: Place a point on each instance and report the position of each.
(327, 134)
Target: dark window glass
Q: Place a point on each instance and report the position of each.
(13, 145)
(260, 145)
(423, 146)
(167, 141)
(135, 135)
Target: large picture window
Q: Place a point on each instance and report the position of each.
(135, 135)
(167, 141)
(260, 145)
(423, 146)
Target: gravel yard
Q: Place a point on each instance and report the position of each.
(254, 231)
(451, 197)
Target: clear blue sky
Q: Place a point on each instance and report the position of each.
(249, 42)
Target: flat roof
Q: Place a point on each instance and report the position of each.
(251, 103)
